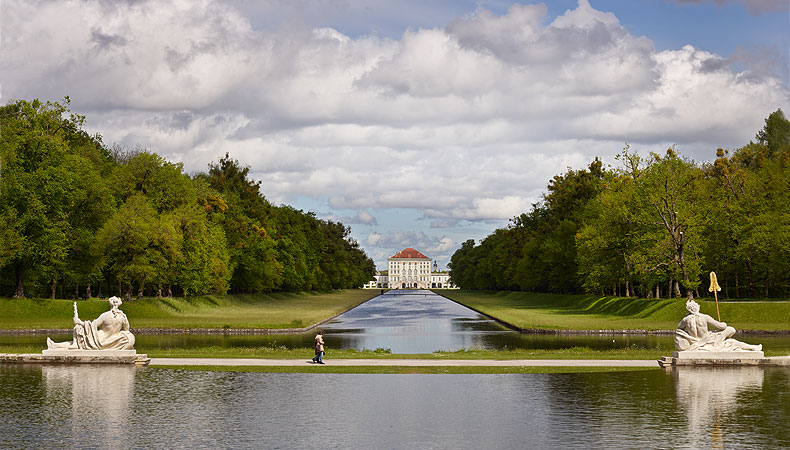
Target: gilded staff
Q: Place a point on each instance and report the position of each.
(715, 288)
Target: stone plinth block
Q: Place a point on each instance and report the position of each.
(722, 359)
(90, 353)
(780, 361)
(718, 355)
(72, 357)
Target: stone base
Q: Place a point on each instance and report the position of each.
(718, 355)
(67, 352)
(77, 357)
(716, 359)
(780, 361)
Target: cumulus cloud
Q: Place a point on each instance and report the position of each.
(754, 7)
(463, 123)
(361, 217)
(393, 241)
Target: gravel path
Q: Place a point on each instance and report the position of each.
(407, 362)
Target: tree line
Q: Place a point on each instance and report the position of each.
(652, 226)
(79, 219)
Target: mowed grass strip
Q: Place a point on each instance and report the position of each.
(403, 370)
(528, 310)
(631, 352)
(470, 354)
(270, 311)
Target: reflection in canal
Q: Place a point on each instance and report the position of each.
(412, 321)
(104, 407)
(94, 393)
(709, 397)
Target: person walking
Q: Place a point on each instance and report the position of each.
(319, 348)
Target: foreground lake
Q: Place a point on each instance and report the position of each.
(103, 407)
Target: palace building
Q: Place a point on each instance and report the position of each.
(410, 269)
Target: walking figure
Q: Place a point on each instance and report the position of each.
(319, 348)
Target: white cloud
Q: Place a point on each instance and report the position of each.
(361, 217)
(389, 243)
(755, 7)
(444, 245)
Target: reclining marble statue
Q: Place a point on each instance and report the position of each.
(692, 334)
(110, 331)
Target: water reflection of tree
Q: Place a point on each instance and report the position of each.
(612, 410)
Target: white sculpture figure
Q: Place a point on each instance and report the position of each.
(693, 334)
(110, 331)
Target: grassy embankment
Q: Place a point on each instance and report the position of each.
(272, 311)
(588, 312)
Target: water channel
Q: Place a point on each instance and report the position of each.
(116, 407)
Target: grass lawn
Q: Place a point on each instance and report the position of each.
(307, 353)
(401, 370)
(588, 312)
(274, 311)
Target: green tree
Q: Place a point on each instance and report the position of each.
(608, 239)
(462, 264)
(163, 183)
(129, 241)
(247, 224)
(775, 135)
(46, 189)
(203, 263)
(747, 235)
(671, 217)
(549, 261)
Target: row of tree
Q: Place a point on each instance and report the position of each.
(79, 219)
(651, 227)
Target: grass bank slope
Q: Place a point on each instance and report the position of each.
(274, 311)
(588, 312)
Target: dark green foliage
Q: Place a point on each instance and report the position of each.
(750, 226)
(775, 136)
(50, 195)
(279, 247)
(652, 227)
(77, 219)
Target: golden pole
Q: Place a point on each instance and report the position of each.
(715, 288)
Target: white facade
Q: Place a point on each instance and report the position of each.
(379, 281)
(410, 269)
(441, 280)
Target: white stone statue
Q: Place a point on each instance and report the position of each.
(693, 335)
(110, 331)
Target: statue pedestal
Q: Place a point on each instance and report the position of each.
(61, 356)
(745, 358)
(718, 355)
(78, 352)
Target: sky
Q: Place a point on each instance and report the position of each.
(417, 123)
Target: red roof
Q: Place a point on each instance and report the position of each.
(410, 253)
